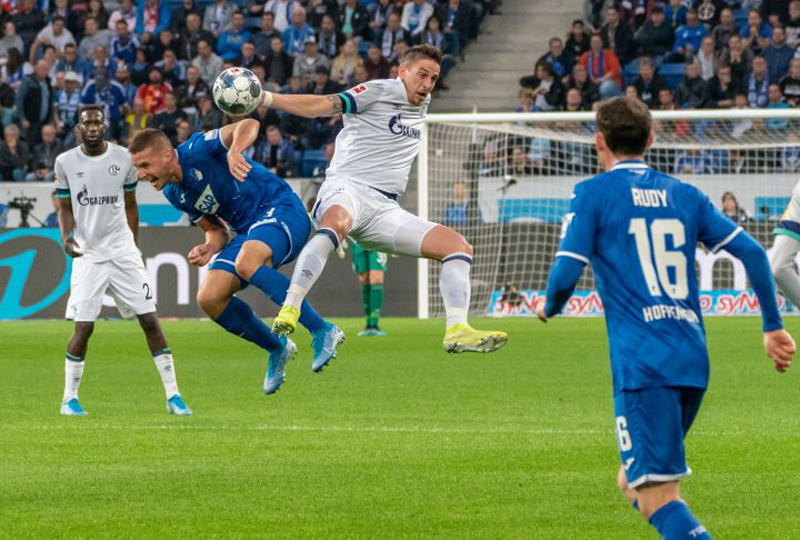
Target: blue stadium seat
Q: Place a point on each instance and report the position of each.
(740, 17)
(629, 73)
(539, 210)
(363, 47)
(673, 74)
(253, 23)
(311, 160)
(158, 215)
(770, 207)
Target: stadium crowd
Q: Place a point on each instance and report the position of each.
(151, 63)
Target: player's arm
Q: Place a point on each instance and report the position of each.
(218, 234)
(237, 137)
(564, 276)
(132, 213)
(305, 105)
(66, 219)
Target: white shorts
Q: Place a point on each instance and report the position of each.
(379, 222)
(124, 279)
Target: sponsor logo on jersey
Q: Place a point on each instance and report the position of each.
(207, 203)
(360, 89)
(396, 126)
(85, 200)
(114, 170)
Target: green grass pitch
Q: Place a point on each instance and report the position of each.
(394, 439)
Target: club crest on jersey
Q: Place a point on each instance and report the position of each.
(114, 170)
(207, 203)
(396, 126)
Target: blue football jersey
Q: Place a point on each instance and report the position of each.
(640, 228)
(208, 187)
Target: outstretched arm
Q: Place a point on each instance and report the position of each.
(305, 105)
(237, 137)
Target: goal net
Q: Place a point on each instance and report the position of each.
(504, 181)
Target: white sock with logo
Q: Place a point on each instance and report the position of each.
(455, 287)
(73, 373)
(166, 368)
(310, 265)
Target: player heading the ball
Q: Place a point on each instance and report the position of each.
(639, 228)
(368, 173)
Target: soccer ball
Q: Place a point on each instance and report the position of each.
(237, 91)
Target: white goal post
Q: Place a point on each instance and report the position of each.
(504, 181)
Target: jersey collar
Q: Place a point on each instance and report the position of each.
(630, 164)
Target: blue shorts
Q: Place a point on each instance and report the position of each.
(651, 424)
(283, 226)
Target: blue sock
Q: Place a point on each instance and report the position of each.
(674, 521)
(274, 284)
(239, 319)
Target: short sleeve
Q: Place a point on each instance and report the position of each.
(714, 229)
(132, 179)
(579, 227)
(359, 98)
(62, 184)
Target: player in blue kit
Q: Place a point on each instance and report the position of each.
(208, 178)
(640, 228)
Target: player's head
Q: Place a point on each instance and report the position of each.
(419, 71)
(152, 153)
(624, 130)
(92, 126)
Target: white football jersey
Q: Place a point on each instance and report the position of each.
(97, 186)
(792, 212)
(381, 135)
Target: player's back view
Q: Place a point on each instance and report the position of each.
(639, 228)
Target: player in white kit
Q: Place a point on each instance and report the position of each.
(369, 171)
(99, 221)
(784, 251)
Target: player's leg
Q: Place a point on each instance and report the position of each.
(782, 261)
(375, 279)
(216, 298)
(130, 287)
(73, 367)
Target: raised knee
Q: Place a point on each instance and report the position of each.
(462, 246)
(209, 302)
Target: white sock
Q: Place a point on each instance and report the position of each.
(73, 373)
(455, 287)
(166, 368)
(310, 264)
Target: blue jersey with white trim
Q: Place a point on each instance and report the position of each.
(208, 187)
(640, 229)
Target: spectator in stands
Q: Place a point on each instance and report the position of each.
(693, 161)
(100, 61)
(124, 44)
(590, 93)
(229, 44)
(688, 38)
(691, 92)
(546, 88)
(434, 36)
(140, 69)
(631, 93)
(295, 36)
(167, 120)
(329, 38)
(188, 93)
(617, 36)
(322, 84)
(594, 13)
(603, 67)
(648, 84)
(393, 34)
(173, 72)
(774, 10)
(354, 20)
(93, 37)
(525, 96)
(457, 211)
(54, 34)
(15, 69)
(721, 89)
(731, 208)
(70, 62)
(52, 218)
(178, 19)
(775, 101)
(208, 116)
(35, 101)
(756, 34)
(165, 40)
(415, 16)
(7, 95)
(184, 131)
(343, 65)
(708, 12)
(67, 102)
(317, 9)
(111, 96)
(706, 59)
(380, 16)
(578, 40)
(263, 39)
(125, 12)
(14, 155)
(675, 13)
(306, 64)
(278, 65)
(561, 60)
(136, 120)
(248, 57)
(10, 40)
(790, 85)
(758, 83)
(218, 17)
(207, 61)
(574, 101)
(282, 10)
(778, 54)
(44, 156)
(190, 37)
(294, 86)
(738, 58)
(152, 93)
(276, 153)
(123, 77)
(656, 37)
(793, 25)
(376, 65)
(455, 16)
(152, 16)
(28, 21)
(724, 30)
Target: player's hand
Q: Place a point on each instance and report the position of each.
(540, 310)
(780, 347)
(200, 255)
(238, 166)
(71, 247)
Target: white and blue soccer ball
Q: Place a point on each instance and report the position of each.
(236, 91)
